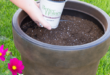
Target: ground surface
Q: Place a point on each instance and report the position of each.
(7, 9)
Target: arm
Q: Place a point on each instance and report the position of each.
(32, 9)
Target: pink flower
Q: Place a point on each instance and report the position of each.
(2, 53)
(15, 66)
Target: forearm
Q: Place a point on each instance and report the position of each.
(29, 7)
(24, 4)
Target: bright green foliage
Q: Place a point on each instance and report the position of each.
(7, 10)
(103, 4)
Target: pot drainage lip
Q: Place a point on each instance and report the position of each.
(57, 47)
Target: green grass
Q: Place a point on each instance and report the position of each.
(103, 4)
(7, 10)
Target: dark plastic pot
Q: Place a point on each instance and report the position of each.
(45, 59)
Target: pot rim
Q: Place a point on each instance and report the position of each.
(58, 47)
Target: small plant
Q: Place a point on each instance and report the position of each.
(15, 65)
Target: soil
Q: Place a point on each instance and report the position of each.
(77, 31)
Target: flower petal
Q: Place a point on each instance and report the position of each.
(4, 52)
(14, 73)
(10, 67)
(20, 63)
(2, 58)
(20, 71)
(11, 60)
(20, 68)
(1, 48)
(14, 61)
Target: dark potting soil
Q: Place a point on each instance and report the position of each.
(77, 31)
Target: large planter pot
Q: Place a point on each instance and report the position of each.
(45, 59)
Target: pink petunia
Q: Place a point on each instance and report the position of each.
(2, 53)
(15, 66)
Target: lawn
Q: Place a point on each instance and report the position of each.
(7, 10)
